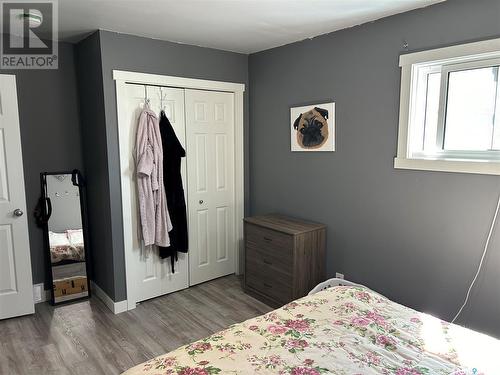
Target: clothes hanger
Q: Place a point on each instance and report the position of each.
(162, 98)
(146, 99)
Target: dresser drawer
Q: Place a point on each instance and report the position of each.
(268, 240)
(271, 261)
(268, 284)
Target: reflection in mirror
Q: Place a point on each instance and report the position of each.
(66, 239)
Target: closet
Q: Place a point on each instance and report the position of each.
(204, 123)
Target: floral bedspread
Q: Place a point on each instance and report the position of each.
(67, 252)
(342, 330)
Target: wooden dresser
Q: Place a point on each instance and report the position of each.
(284, 258)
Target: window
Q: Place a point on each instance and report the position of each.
(450, 109)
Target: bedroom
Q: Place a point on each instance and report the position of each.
(414, 235)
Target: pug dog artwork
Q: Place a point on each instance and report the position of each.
(313, 127)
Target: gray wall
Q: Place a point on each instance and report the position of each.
(415, 236)
(50, 135)
(94, 145)
(127, 52)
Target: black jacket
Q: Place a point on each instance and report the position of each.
(172, 180)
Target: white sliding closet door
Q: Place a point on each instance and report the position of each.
(211, 199)
(151, 276)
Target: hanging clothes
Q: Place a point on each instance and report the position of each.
(173, 152)
(155, 220)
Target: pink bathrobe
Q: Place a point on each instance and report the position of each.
(155, 220)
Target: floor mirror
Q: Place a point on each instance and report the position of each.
(65, 233)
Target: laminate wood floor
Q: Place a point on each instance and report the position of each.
(87, 338)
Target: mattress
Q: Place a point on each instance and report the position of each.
(341, 330)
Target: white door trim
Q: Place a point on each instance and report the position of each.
(121, 79)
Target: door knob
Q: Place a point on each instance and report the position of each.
(18, 212)
(200, 201)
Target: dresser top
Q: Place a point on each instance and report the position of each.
(284, 223)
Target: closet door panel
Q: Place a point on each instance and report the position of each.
(222, 233)
(221, 161)
(202, 253)
(201, 163)
(151, 276)
(146, 267)
(210, 159)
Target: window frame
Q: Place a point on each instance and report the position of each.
(443, 60)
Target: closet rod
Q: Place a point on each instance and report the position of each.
(172, 87)
(148, 84)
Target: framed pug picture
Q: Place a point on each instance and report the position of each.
(313, 127)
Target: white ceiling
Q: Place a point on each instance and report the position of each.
(235, 25)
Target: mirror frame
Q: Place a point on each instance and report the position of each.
(45, 227)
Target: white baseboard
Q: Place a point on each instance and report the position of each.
(115, 307)
(42, 295)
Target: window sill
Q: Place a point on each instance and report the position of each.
(457, 166)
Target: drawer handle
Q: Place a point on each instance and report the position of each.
(268, 239)
(267, 262)
(267, 285)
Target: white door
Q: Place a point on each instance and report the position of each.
(211, 200)
(150, 275)
(16, 287)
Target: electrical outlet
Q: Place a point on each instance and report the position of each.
(37, 293)
(339, 275)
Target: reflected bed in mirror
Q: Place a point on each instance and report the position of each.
(65, 235)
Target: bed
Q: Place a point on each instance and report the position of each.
(344, 329)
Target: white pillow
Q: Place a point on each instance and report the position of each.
(75, 236)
